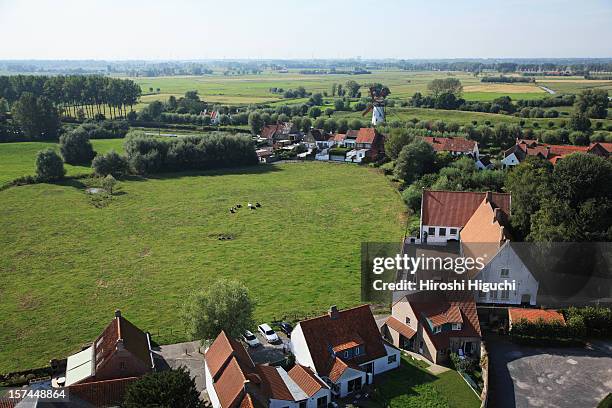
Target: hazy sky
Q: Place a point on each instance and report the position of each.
(199, 29)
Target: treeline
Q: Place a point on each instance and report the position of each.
(577, 67)
(75, 95)
(548, 102)
(148, 155)
(356, 71)
(506, 79)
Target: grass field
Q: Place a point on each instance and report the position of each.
(19, 159)
(413, 386)
(67, 265)
(248, 89)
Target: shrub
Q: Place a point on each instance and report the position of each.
(110, 163)
(170, 388)
(49, 165)
(76, 147)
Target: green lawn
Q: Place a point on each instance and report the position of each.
(67, 265)
(413, 387)
(19, 159)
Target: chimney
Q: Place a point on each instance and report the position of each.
(489, 196)
(245, 385)
(119, 345)
(333, 312)
(117, 313)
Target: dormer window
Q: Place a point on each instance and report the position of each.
(437, 329)
(407, 320)
(457, 326)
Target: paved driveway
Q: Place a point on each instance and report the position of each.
(188, 355)
(548, 377)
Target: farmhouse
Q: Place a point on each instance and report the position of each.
(344, 348)
(553, 153)
(444, 213)
(233, 380)
(486, 236)
(435, 324)
(319, 138)
(369, 144)
(454, 145)
(280, 131)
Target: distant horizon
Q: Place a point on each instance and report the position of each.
(190, 30)
(356, 59)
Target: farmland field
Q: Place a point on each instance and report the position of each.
(19, 159)
(245, 89)
(66, 265)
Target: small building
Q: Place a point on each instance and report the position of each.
(456, 146)
(122, 350)
(233, 380)
(435, 324)
(280, 131)
(553, 153)
(444, 213)
(319, 138)
(344, 348)
(484, 163)
(533, 316)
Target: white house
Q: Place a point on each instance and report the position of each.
(234, 381)
(356, 155)
(445, 213)
(344, 348)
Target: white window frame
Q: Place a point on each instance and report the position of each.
(456, 326)
(430, 233)
(442, 231)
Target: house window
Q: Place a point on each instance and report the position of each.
(392, 359)
(437, 329)
(493, 294)
(407, 320)
(432, 231)
(442, 232)
(322, 402)
(453, 231)
(505, 294)
(505, 272)
(357, 350)
(303, 404)
(354, 385)
(346, 354)
(122, 365)
(456, 326)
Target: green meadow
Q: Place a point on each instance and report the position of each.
(66, 264)
(19, 159)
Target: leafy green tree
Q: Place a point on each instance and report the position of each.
(352, 88)
(579, 121)
(306, 124)
(110, 163)
(343, 126)
(329, 112)
(415, 160)
(396, 140)
(163, 389)
(316, 99)
(256, 123)
(593, 103)
(580, 206)
(49, 165)
(356, 124)
(225, 305)
(529, 183)
(36, 116)
(319, 123)
(446, 85)
(339, 105)
(109, 183)
(76, 147)
(314, 112)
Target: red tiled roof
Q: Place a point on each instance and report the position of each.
(230, 384)
(533, 315)
(354, 342)
(269, 131)
(607, 146)
(273, 384)
(339, 137)
(306, 379)
(102, 393)
(338, 367)
(400, 327)
(224, 348)
(450, 315)
(451, 144)
(366, 135)
(454, 208)
(134, 340)
(562, 150)
(324, 333)
(351, 134)
(247, 401)
(454, 305)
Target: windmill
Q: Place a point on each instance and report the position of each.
(378, 93)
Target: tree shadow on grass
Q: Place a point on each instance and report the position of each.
(247, 170)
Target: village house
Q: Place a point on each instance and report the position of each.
(369, 145)
(344, 348)
(435, 324)
(486, 236)
(533, 316)
(444, 213)
(100, 373)
(233, 380)
(350, 138)
(456, 146)
(280, 132)
(319, 138)
(553, 153)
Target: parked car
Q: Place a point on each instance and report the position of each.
(268, 333)
(285, 328)
(250, 339)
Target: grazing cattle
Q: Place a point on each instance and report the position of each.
(257, 205)
(238, 205)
